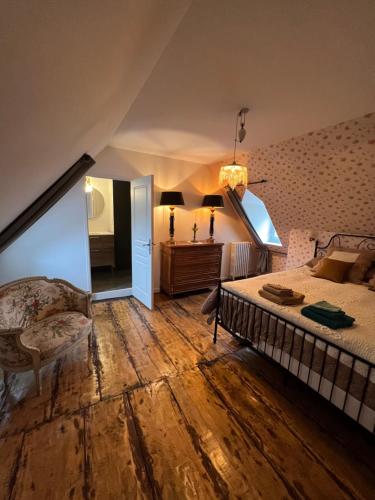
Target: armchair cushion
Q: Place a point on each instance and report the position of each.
(27, 301)
(56, 333)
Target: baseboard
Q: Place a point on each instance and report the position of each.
(112, 294)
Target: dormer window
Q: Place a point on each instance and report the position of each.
(260, 219)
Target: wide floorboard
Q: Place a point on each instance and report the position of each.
(153, 409)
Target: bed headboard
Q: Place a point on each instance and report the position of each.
(358, 241)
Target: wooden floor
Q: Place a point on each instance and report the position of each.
(154, 410)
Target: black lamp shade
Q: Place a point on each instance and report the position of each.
(213, 200)
(172, 198)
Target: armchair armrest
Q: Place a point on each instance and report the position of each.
(72, 298)
(10, 331)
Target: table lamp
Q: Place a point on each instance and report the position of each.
(171, 199)
(213, 201)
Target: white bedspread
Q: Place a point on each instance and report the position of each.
(356, 300)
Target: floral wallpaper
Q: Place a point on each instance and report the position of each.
(324, 180)
(301, 248)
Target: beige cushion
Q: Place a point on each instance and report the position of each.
(55, 334)
(361, 259)
(333, 270)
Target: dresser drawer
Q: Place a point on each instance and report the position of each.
(189, 286)
(102, 241)
(199, 270)
(102, 250)
(187, 267)
(196, 251)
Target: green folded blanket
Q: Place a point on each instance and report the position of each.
(328, 314)
(343, 321)
(326, 306)
(327, 310)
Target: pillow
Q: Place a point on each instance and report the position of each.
(313, 262)
(361, 259)
(211, 302)
(370, 273)
(333, 270)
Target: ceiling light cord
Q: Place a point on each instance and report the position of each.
(234, 175)
(239, 135)
(235, 139)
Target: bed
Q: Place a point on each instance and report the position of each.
(338, 364)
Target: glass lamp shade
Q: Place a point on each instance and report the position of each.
(172, 198)
(233, 175)
(213, 201)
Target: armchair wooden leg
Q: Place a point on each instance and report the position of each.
(6, 379)
(90, 338)
(38, 384)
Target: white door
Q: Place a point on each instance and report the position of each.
(142, 206)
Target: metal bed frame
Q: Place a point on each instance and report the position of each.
(244, 312)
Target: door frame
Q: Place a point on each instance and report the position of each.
(120, 292)
(150, 187)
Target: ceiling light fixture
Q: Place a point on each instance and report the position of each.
(233, 175)
(88, 185)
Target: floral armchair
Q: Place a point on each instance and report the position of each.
(40, 320)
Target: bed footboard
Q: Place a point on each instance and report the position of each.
(341, 377)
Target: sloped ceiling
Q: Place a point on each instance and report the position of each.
(299, 65)
(69, 72)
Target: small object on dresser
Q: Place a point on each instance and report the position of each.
(195, 230)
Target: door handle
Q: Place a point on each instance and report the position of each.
(150, 244)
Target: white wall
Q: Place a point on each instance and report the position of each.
(194, 180)
(103, 222)
(55, 246)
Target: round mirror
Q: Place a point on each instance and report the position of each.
(95, 203)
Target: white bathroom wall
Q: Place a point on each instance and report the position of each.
(55, 246)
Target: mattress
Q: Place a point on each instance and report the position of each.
(356, 300)
(347, 382)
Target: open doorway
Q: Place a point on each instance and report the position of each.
(109, 225)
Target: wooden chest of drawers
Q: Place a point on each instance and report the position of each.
(102, 250)
(189, 266)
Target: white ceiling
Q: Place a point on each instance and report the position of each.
(299, 65)
(69, 72)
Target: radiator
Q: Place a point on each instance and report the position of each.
(241, 259)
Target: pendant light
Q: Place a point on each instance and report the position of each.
(234, 174)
